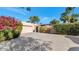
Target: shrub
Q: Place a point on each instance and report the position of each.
(42, 29)
(8, 34)
(2, 36)
(17, 31)
(9, 28)
(70, 29)
(74, 30)
(48, 30)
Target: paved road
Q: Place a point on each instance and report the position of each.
(57, 42)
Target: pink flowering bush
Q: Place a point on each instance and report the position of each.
(9, 28)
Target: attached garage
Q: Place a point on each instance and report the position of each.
(29, 27)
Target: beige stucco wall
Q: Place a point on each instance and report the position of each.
(28, 27)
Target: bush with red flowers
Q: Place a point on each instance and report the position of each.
(9, 28)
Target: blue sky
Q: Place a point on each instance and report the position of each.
(46, 14)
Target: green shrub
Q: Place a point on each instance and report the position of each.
(17, 31)
(42, 29)
(8, 34)
(2, 36)
(74, 30)
(9, 28)
(70, 29)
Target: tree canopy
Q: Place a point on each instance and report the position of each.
(34, 19)
(69, 16)
(54, 21)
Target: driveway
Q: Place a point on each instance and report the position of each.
(57, 42)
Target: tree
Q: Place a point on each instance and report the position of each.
(74, 18)
(69, 10)
(26, 8)
(64, 17)
(68, 15)
(54, 21)
(34, 19)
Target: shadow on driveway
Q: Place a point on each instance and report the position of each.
(75, 39)
(73, 49)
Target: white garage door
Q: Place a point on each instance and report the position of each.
(27, 29)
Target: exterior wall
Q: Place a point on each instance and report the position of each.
(28, 27)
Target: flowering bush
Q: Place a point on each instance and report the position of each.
(9, 28)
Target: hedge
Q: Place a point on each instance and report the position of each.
(69, 28)
(44, 29)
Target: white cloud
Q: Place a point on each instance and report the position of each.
(18, 11)
(44, 18)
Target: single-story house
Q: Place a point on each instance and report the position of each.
(29, 27)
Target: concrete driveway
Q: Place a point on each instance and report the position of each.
(57, 42)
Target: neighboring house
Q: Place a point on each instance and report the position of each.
(46, 25)
(29, 27)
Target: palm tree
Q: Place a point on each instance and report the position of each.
(74, 18)
(69, 10)
(26, 8)
(64, 17)
(54, 21)
(69, 16)
(34, 19)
